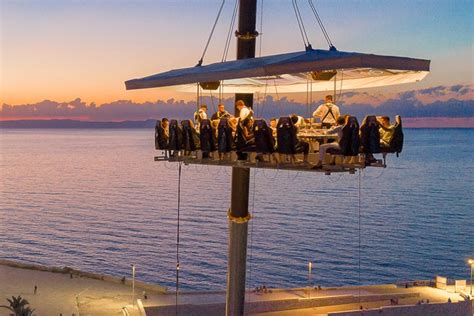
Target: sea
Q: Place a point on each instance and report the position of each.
(95, 200)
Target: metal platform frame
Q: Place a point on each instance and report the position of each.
(251, 162)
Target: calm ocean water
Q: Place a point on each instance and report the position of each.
(95, 200)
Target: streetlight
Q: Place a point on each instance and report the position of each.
(471, 263)
(133, 284)
(310, 267)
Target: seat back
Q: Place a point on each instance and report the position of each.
(176, 137)
(206, 136)
(350, 140)
(224, 136)
(396, 143)
(240, 141)
(160, 140)
(264, 140)
(189, 137)
(370, 135)
(286, 136)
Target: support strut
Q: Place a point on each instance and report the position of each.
(238, 213)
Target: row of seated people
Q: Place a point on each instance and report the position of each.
(375, 135)
(229, 134)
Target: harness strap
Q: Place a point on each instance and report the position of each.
(328, 112)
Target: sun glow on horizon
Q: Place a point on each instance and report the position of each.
(65, 50)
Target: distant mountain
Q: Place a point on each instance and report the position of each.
(75, 124)
(409, 122)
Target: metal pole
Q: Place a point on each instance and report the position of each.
(133, 284)
(472, 265)
(238, 212)
(310, 267)
(238, 229)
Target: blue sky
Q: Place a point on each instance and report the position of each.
(61, 50)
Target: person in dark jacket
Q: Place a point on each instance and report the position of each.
(221, 113)
(301, 146)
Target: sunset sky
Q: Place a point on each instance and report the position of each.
(68, 49)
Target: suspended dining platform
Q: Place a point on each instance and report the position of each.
(280, 149)
(321, 70)
(340, 166)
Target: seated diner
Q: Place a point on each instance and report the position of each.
(290, 137)
(386, 131)
(336, 130)
(301, 146)
(221, 113)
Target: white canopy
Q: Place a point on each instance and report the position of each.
(294, 72)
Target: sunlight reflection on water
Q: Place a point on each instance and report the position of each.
(95, 200)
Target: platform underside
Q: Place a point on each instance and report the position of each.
(280, 162)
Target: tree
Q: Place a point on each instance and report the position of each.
(19, 306)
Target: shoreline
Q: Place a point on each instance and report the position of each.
(66, 291)
(83, 274)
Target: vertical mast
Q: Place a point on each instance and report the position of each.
(238, 213)
(246, 35)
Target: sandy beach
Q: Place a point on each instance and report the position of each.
(74, 293)
(63, 291)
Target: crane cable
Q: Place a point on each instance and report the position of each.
(359, 223)
(321, 25)
(309, 96)
(229, 33)
(227, 46)
(299, 19)
(177, 235)
(251, 226)
(341, 81)
(261, 30)
(264, 100)
(261, 101)
(197, 97)
(212, 101)
(278, 96)
(210, 35)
